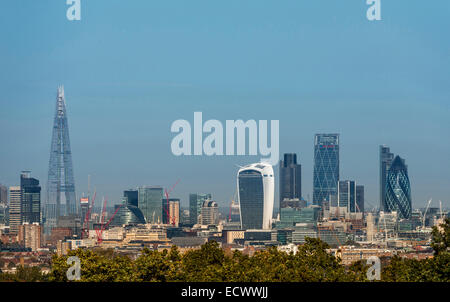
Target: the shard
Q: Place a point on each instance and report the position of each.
(61, 200)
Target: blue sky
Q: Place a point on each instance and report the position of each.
(130, 68)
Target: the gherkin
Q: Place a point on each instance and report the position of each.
(61, 200)
(398, 189)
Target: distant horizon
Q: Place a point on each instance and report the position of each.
(130, 69)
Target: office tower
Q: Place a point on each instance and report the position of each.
(61, 199)
(347, 195)
(210, 213)
(3, 195)
(196, 201)
(14, 209)
(171, 211)
(30, 208)
(370, 227)
(360, 198)
(30, 235)
(398, 189)
(256, 188)
(290, 178)
(386, 158)
(131, 197)
(150, 203)
(326, 168)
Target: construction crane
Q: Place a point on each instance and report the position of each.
(170, 219)
(425, 214)
(102, 217)
(105, 226)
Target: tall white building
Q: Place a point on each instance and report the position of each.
(256, 189)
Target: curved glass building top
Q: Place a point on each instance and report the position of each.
(256, 195)
(128, 215)
(398, 189)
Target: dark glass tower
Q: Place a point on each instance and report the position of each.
(251, 196)
(398, 189)
(326, 167)
(61, 199)
(386, 158)
(131, 197)
(360, 198)
(290, 178)
(30, 206)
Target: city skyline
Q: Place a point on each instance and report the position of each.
(316, 68)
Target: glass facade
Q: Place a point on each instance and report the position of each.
(251, 197)
(30, 207)
(290, 178)
(128, 215)
(326, 167)
(398, 189)
(132, 197)
(291, 216)
(386, 158)
(150, 203)
(195, 205)
(360, 198)
(347, 195)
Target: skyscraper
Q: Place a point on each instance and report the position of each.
(30, 208)
(326, 167)
(3, 195)
(14, 209)
(347, 195)
(386, 158)
(290, 178)
(196, 201)
(398, 189)
(256, 188)
(360, 198)
(150, 203)
(61, 183)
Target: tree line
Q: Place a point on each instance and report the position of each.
(210, 263)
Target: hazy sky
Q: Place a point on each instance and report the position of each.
(130, 68)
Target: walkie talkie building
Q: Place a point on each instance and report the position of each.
(61, 200)
(256, 188)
